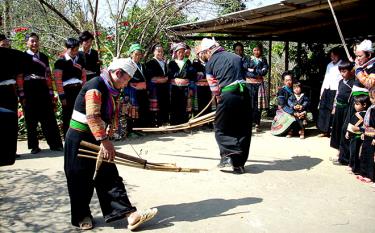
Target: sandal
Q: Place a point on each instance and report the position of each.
(145, 216)
(86, 224)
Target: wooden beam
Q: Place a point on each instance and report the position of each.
(309, 27)
(320, 6)
(269, 70)
(286, 55)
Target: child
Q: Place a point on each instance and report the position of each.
(367, 152)
(341, 104)
(298, 102)
(355, 129)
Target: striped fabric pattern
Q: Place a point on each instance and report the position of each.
(59, 83)
(93, 99)
(214, 84)
(262, 96)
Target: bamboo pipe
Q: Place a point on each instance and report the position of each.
(120, 155)
(155, 168)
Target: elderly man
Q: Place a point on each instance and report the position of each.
(232, 120)
(94, 119)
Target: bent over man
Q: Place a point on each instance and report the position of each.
(94, 116)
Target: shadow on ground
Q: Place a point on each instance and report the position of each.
(294, 164)
(40, 205)
(195, 211)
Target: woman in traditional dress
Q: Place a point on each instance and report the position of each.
(180, 73)
(158, 87)
(257, 68)
(136, 98)
(284, 118)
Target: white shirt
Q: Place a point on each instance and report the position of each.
(32, 53)
(332, 77)
(162, 64)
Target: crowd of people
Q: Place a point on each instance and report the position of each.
(164, 91)
(346, 114)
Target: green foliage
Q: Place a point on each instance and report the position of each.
(229, 6)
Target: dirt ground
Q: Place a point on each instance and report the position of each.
(289, 186)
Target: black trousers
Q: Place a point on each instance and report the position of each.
(233, 126)
(354, 148)
(344, 147)
(71, 93)
(253, 92)
(114, 201)
(179, 114)
(39, 109)
(337, 126)
(8, 136)
(8, 97)
(325, 116)
(367, 158)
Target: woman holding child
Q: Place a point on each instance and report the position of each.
(283, 119)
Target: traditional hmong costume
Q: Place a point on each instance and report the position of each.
(328, 91)
(363, 82)
(11, 67)
(203, 92)
(136, 103)
(283, 119)
(96, 109)
(181, 73)
(12, 63)
(92, 63)
(301, 100)
(367, 152)
(158, 88)
(70, 75)
(256, 69)
(341, 109)
(39, 102)
(232, 120)
(355, 139)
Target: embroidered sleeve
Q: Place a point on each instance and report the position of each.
(58, 74)
(49, 81)
(368, 80)
(59, 83)
(214, 84)
(84, 77)
(19, 82)
(93, 99)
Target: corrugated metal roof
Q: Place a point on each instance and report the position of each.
(292, 20)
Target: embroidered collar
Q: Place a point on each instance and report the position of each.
(108, 82)
(288, 89)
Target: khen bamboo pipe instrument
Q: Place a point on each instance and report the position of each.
(195, 122)
(131, 161)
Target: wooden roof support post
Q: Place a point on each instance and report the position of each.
(270, 69)
(299, 52)
(286, 46)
